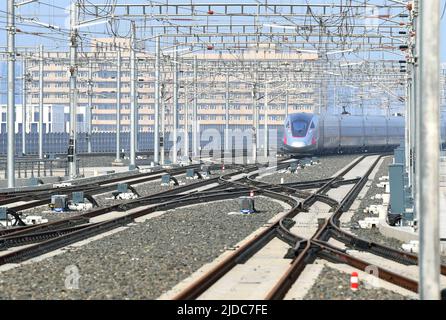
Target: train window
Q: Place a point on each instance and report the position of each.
(288, 125)
(299, 128)
(312, 126)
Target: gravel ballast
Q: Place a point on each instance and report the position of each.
(142, 261)
(332, 284)
(327, 167)
(374, 234)
(104, 200)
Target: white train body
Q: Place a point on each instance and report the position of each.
(311, 133)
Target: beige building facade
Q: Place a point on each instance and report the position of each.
(213, 68)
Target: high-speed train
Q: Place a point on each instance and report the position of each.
(308, 133)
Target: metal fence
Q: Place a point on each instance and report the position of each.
(35, 168)
(105, 142)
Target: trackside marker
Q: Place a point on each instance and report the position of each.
(251, 193)
(354, 281)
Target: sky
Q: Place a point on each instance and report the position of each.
(56, 16)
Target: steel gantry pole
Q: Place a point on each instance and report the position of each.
(286, 100)
(256, 115)
(414, 143)
(24, 98)
(11, 97)
(186, 121)
(133, 97)
(407, 129)
(417, 116)
(90, 104)
(175, 104)
(227, 115)
(118, 107)
(195, 151)
(163, 125)
(429, 149)
(254, 125)
(41, 62)
(156, 136)
(265, 124)
(72, 168)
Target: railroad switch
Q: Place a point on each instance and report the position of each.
(133, 167)
(295, 250)
(192, 174)
(168, 180)
(123, 193)
(206, 169)
(184, 161)
(17, 220)
(77, 202)
(293, 167)
(306, 162)
(35, 182)
(59, 203)
(247, 205)
(4, 216)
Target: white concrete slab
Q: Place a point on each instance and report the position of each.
(253, 279)
(305, 281)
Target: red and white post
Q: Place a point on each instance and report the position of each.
(354, 281)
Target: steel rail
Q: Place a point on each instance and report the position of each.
(38, 194)
(249, 248)
(90, 230)
(51, 230)
(317, 246)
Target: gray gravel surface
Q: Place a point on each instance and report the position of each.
(335, 285)
(143, 261)
(99, 161)
(374, 235)
(328, 166)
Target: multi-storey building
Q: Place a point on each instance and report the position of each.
(55, 118)
(211, 95)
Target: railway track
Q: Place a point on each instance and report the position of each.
(304, 250)
(91, 187)
(41, 239)
(50, 236)
(106, 186)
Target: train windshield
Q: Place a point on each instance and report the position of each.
(299, 128)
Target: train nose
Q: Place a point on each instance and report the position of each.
(298, 144)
